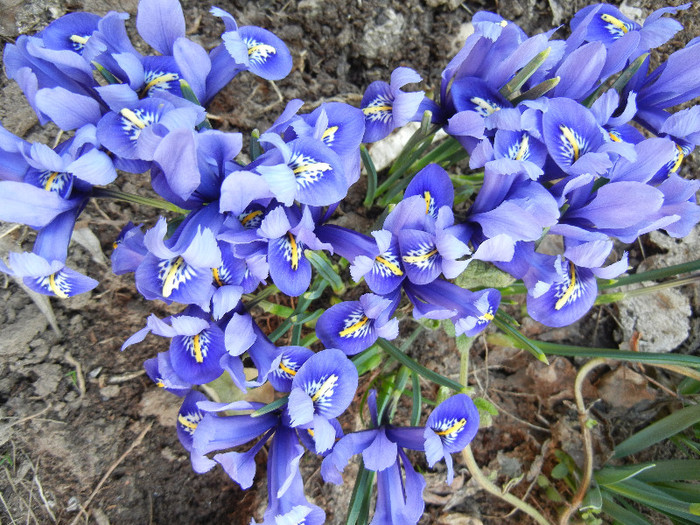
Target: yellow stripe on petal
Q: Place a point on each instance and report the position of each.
(168, 77)
(250, 217)
(327, 385)
(392, 267)
(197, 347)
(375, 109)
(286, 369)
(171, 277)
(459, 425)
(295, 251)
(355, 327)
(679, 160)
(82, 40)
(570, 290)
(419, 258)
(616, 22)
(186, 422)
(55, 288)
(133, 118)
(569, 136)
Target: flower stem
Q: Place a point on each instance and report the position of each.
(587, 443)
(105, 193)
(485, 484)
(479, 476)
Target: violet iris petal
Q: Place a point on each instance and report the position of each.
(160, 23)
(354, 326)
(450, 427)
(188, 420)
(329, 380)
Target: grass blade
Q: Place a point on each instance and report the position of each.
(662, 429)
(371, 176)
(419, 369)
(271, 407)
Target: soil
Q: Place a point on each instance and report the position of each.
(85, 437)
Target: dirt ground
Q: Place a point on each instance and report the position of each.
(85, 437)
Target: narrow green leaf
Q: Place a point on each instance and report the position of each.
(537, 91)
(255, 148)
(190, 95)
(271, 407)
(371, 176)
(368, 360)
(525, 73)
(276, 309)
(324, 267)
(419, 369)
(651, 497)
(502, 321)
(670, 470)
(109, 77)
(610, 353)
(361, 492)
(416, 409)
(593, 499)
(621, 515)
(308, 340)
(616, 83)
(651, 275)
(662, 429)
(608, 475)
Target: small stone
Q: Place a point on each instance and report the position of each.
(109, 392)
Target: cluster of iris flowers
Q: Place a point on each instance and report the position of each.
(575, 139)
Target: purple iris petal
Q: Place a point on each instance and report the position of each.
(195, 358)
(434, 185)
(27, 204)
(564, 295)
(287, 503)
(161, 372)
(399, 499)
(188, 420)
(420, 256)
(67, 109)
(160, 23)
(259, 51)
(330, 379)
(292, 359)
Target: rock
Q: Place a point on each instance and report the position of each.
(109, 392)
(50, 376)
(458, 519)
(661, 320)
(381, 40)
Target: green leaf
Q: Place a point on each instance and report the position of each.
(610, 353)
(560, 471)
(419, 369)
(371, 176)
(537, 91)
(593, 501)
(524, 74)
(608, 475)
(368, 360)
(620, 514)
(651, 497)
(324, 267)
(361, 492)
(276, 309)
(662, 429)
(480, 274)
(668, 470)
(618, 83)
(308, 340)
(504, 322)
(651, 275)
(271, 407)
(255, 148)
(416, 408)
(109, 77)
